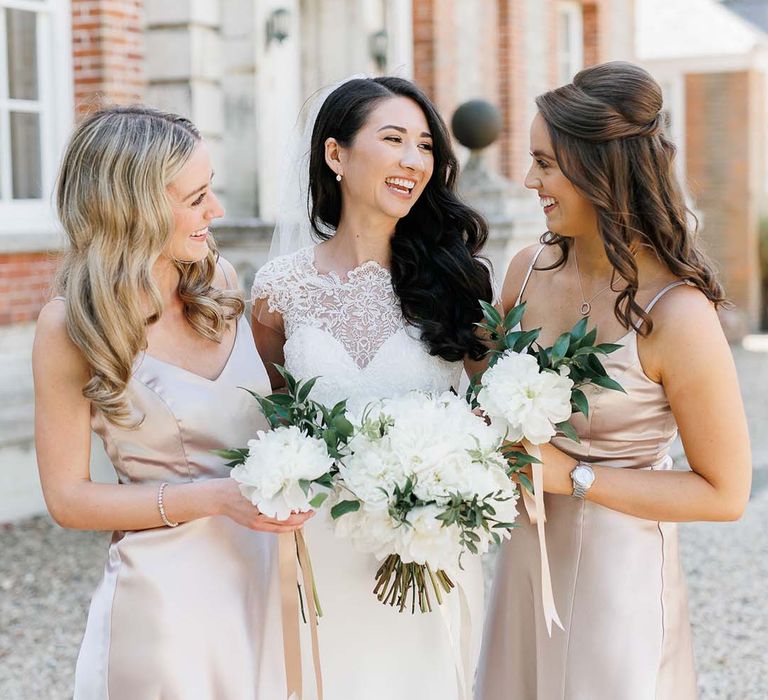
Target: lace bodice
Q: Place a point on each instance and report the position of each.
(348, 331)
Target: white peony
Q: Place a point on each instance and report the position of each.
(523, 400)
(277, 461)
(369, 529)
(425, 540)
(371, 472)
(444, 449)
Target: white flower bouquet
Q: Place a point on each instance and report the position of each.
(530, 392)
(424, 482)
(291, 467)
(285, 471)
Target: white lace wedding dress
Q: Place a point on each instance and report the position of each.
(351, 333)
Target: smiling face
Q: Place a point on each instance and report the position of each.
(389, 163)
(568, 211)
(194, 207)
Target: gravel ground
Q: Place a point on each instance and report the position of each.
(47, 576)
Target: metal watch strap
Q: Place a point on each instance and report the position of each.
(579, 491)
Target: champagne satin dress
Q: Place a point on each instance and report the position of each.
(192, 612)
(617, 579)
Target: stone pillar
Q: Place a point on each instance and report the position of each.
(184, 68)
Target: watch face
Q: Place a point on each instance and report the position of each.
(583, 476)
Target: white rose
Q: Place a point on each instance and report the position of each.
(523, 400)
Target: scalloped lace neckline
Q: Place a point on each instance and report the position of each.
(361, 271)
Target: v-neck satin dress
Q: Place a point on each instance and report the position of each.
(617, 580)
(192, 612)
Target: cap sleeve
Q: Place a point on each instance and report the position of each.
(273, 291)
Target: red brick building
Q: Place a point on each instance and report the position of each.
(240, 70)
(713, 66)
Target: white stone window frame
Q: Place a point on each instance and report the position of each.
(30, 224)
(570, 58)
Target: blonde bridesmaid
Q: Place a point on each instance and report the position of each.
(147, 346)
(619, 248)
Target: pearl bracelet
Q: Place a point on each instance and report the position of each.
(161, 506)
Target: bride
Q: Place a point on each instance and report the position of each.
(386, 303)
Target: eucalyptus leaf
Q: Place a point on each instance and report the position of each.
(607, 348)
(608, 383)
(343, 426)
(514, 316)
(526, 482)
(560, 348)
(318, 500)
(578, 331)
(589, 338)
(596, 366)
(526, 339)
(305, 389)
(232, 454)
(491, 313)
(344, 507)
(568, 430)
(285, 374)
(283, 400)
(579, 399)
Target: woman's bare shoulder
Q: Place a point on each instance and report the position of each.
(518, 269)
(53, 347)
(226, 275)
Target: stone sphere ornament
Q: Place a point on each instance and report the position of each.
(476, 124)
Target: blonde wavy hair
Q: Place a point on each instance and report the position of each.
(112, 201)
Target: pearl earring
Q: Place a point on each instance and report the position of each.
(338, 177)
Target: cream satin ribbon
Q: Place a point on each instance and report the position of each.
(291, 548)
(534, 505)
(460, 647)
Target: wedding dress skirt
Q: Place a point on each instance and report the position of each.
(351, 334)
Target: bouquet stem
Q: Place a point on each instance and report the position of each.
(396, 581)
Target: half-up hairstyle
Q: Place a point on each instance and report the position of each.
(113, 204)
(606, 129)
(436, 272)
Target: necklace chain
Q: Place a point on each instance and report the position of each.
(586, 304)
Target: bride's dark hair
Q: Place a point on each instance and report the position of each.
(606, 129)
(436, 272)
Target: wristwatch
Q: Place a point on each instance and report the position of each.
(582, 477)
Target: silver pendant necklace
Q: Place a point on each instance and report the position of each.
(586, 304)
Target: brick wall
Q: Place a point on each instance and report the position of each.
(424, 45)
(723, 132)
(108, 65)
(591, 20)
(436, 34)
(25, 282)
(108, 51)
(513, 143)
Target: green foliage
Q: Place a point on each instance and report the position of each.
(574, 352)
(473, 515)
(294, 407)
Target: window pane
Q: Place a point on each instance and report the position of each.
(25, 155)
(21, 26)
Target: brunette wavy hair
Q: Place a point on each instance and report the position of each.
(606, 129)
(112, 201)
(436, 272)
